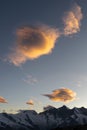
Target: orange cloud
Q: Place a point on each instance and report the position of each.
(62, 95)
(30, 102)
(2, 100)
(33, 42)
(72, 20)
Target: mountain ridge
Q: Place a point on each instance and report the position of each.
(50, 118)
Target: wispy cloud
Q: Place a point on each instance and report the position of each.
(79, 84)
(30, 79)
(30, 102)
(62, 95)
(33, 42)
(81, 81)
(72, 20)
(3, 100)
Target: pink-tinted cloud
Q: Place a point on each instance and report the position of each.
(30, 102)
(33, 42)
(2, 100)
(72, 20)
(62, 95)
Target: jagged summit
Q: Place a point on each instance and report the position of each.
(64, 107)
(49, 107)
(27, 111)
(50, 118)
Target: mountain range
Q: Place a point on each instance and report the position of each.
(50, 118)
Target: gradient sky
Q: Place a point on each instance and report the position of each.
(64, 67)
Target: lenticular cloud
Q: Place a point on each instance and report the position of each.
(62, 95)
(33, 42)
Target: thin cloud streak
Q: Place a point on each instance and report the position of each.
(62, 95)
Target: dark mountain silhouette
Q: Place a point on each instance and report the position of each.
(80, 127)
(61, 118)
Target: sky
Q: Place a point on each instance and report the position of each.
(43, 54)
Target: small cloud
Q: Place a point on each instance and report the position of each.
(62, 95)
(2, 100)
(72, 20)
(30, 102)
(30, 79)
(33, 42)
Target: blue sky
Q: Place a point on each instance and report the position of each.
(64, 67)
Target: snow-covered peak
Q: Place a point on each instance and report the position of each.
(49, 107)
(64, 108)
(28, 111)
(48, 119)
